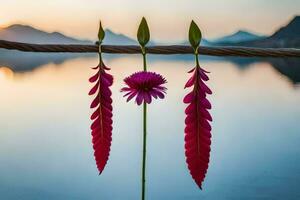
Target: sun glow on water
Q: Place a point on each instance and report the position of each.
(6, 73)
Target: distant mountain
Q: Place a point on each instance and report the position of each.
(291, 30)
(28, 34)
(117, 39)
(24, 33)
(204, 42)
(239, 36)
(287, 36)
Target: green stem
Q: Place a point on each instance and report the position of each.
(144, 58)
(144, 133)
(100, 53)
(196, 57)
(100, 58)
(144, 149)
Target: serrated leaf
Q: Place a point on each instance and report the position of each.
(194, 35)
(101, 33)
(101, 126)
(197, 127)
(143, 34)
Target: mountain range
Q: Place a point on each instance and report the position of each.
(286, 36)
(239, 36)
(29, 34)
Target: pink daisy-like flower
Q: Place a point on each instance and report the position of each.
(144, 85)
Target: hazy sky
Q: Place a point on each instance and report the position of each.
(168, 19)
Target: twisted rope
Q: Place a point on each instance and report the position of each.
(173, 49)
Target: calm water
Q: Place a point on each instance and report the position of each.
(45, 142)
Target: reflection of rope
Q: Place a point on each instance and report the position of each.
(174, 49)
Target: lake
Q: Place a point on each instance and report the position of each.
(45, 141)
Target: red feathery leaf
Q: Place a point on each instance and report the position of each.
(102, 116)
(197, 127)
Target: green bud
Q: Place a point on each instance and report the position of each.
(143, 34)
(194, 35)
(101, 33)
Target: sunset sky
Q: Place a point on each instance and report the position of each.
(168, 19)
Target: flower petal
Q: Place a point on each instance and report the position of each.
(133, 94)
(139, 98)
(147, 97)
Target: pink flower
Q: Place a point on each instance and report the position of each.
(144, 85)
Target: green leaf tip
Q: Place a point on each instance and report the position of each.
(143, 34)
(194, 35)
(101, 33)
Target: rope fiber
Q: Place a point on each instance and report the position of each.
(166, 50)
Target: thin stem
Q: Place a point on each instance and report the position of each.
(196, 95)
(100, 58)
(144, 132)
(196, 56)
(100, 52)
(144, 149)
(99, 88)
(144, 58)
(197, 60)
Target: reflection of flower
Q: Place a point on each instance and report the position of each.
(144, 85)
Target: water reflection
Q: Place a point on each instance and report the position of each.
(25, 61)
(46, 153)
(6, 73)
